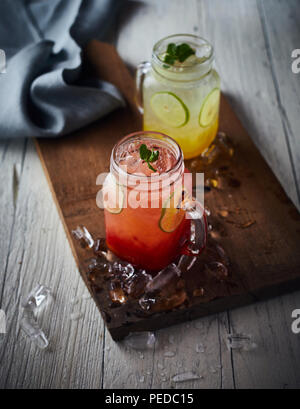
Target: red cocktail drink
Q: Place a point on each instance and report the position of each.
(144, 212)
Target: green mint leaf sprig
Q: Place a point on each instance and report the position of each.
(178, 52)
(148, 156)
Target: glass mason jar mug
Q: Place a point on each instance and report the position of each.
(181, 98)
(150, 216)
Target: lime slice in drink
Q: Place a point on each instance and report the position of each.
(210, 108)
(171, 214)
(169, 108)
(113, 195)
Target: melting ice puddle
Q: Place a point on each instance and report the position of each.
(186, 376)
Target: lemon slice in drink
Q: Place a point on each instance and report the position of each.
(170, 109)
(210, 108)
(113, 195)
(171, 215)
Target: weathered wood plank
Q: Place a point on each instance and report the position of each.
(280, 22)
(76, 359)
(275, 362)
(246, 70)
(40, 253)
(246, 73)
(11, 166)
(198, 347)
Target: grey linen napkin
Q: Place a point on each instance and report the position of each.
(42, 92)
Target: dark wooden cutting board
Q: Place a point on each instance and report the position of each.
(264, 256)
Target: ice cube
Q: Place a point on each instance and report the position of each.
(116, 292)
(136, 283)
(124, 268)
(147, 303)
(241, 342)
(140, 340)
(84, 237)
(36, 297)
(165, 291)
(31, 328)
(163, 278)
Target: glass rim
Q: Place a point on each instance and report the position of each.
(207, 59)
(179, 157)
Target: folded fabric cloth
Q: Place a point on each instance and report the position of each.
(42, 93)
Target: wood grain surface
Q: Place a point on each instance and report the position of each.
(253, 42)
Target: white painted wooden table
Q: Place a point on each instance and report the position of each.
(253, 42)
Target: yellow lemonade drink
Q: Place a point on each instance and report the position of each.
(181, 92)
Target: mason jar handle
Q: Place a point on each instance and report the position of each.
(141, 71)
(198, 235)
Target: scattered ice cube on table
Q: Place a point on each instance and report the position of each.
(240, 342)
(124, 268)
(147, 302)
(163, 278)
(116, 292)
(82, 234)
(36, 297)
(140, 340)
(31, 328)
(135, 283)
(185, 376)
(28, 323)
(165, 291)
